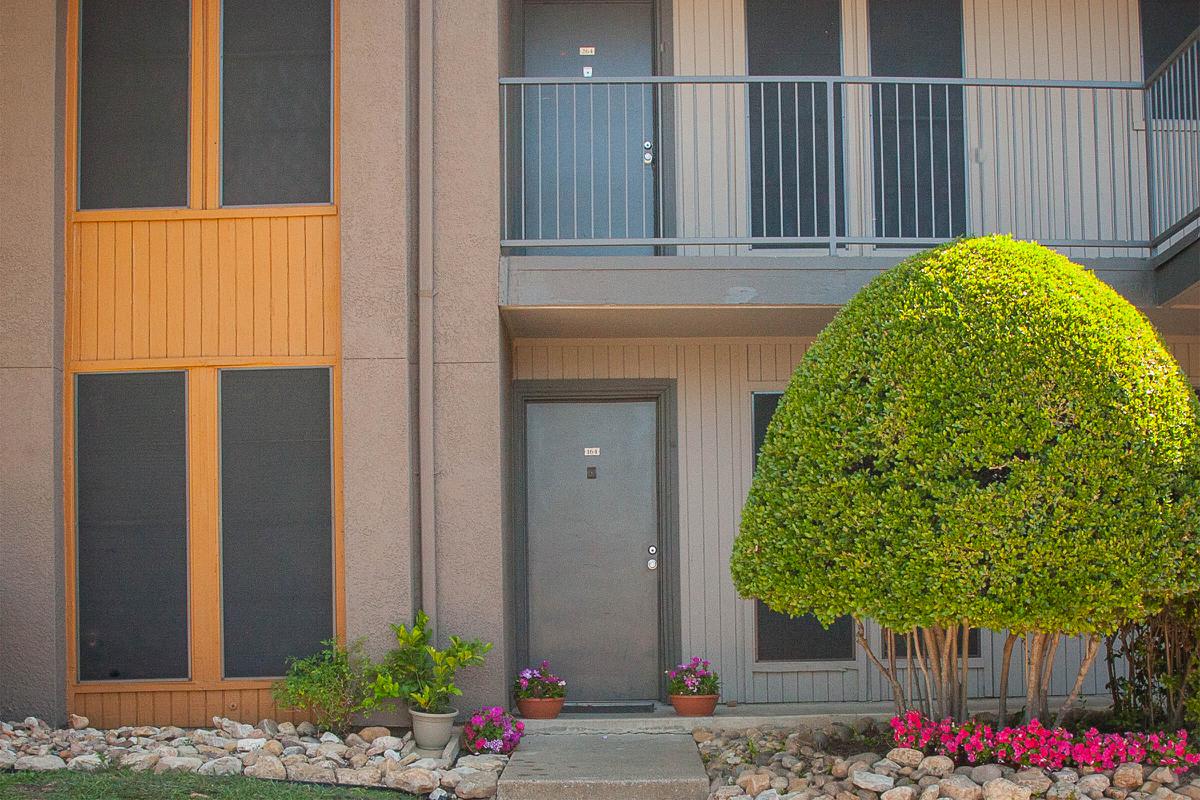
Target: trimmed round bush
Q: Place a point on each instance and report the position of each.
(986, 434)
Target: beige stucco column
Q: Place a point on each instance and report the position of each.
(469, 371)
(376, 207)
(32, 647)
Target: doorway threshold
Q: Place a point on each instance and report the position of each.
(609, 707)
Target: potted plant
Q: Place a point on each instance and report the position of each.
(491, 730)
(420, 674)
(540, 693)
(693, 688)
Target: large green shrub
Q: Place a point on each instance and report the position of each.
(986, 435)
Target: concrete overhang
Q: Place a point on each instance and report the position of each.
(1177, 274)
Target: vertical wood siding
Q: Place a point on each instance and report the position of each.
(204, 288)
(185, 708)
(1018, 143)
(715, 380)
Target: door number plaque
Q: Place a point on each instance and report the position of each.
(587, 50)
(591, 451)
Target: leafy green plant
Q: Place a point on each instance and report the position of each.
(987, 436)
(420, 674)
(1160, 684)
(331, 686)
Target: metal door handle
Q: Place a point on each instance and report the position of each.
(648, 155)
(652, 564)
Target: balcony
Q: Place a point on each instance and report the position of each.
(849, 167)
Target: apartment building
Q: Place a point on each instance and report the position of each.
(316, 312)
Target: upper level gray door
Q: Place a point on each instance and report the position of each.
(585, 174)
(591, 534)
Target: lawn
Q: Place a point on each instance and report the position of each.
(125, 785)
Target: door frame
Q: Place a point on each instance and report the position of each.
(663, 393)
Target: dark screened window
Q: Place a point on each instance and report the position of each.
(275, 102)
(918, 133)
(789, 121)
(973, 645)
(133, 103)
(276, 518)
(1165, 24)
(131, 525)
(780, 637)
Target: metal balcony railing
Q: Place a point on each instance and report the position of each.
(710, 164)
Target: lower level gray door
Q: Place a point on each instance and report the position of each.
(592, 520)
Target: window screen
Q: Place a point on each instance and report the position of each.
(275, 102)
(789, 121)
(276, 518)
(131, 525)
(1165, 24)
(133, 103)
(780, 637)
(919, 151)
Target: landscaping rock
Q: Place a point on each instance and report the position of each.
(413, 780)
(985, 772)
(941, 766)
(362, 776)
(899, 793)
(477, 785)
(1033, 779)
(1003, 789)
(1128, 776)
(871, 781)
(1162, 775)
(40, 763)
(221, 767)
(89, 762)
(177, 764)
(268, 767)
(906, 756)
(754, 783)
(960, 787)
(1093, 785)
(373, 732)
(311, 772)
(78, 723)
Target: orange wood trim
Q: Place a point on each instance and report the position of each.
(204, 540)
(196, 106)
(212, 103)
(231, 212)
(128, 364)
(71, 112)
(104, 687)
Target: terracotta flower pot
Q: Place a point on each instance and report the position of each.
(540, 707)
(694, 705)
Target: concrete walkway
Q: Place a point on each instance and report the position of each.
(647, 766)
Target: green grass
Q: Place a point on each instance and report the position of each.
(125, 785)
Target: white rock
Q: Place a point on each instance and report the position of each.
(413, 781)
(960, 787)
(905, 756)
(79, 723)
(870, 781)
(248, 745)
(139, 762)
(477, 785)
(224, 766)
(330, 737)
(267, 766)
(363, 776)
(177, 764)
(899, 793)
(1003, 789)
(1095, 783)
(941, 766)
(88, 762)
(1162, 775)
(39, 763)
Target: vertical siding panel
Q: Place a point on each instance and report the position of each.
(692, 554)
(314, 287)
(279, 287)
(709, 534)
(538, 363)
(72, 304)
(193, 288)
(587, 365)
(783, 362)
(554, 362)
(210, 292)
(297, 314)
(104, 290)
(162, 706)
(753, 363)
(145, 708)
(141, 289)
(616, 361)
(524, 364)
(156, 322)
(244, 249)
(175, 296)
(332, 282)
(227, 265)
(570, 362)
(646, 360)
(261, 255)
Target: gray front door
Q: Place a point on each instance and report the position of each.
(591, 521)
(584, 171)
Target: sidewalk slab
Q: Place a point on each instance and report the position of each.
(658, 766)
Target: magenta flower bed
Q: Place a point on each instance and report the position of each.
(1034, 745)
(491, 730)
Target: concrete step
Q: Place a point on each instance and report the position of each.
(647, 766)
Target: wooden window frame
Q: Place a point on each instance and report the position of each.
(204, 554)
(204, 128)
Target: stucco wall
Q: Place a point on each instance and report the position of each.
(378, 256)
(32, 659)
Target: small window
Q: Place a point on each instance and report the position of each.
(131, 525)
(133, 103)
(276, 82)
(778, 636)
(276, 518)
(973, 645)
